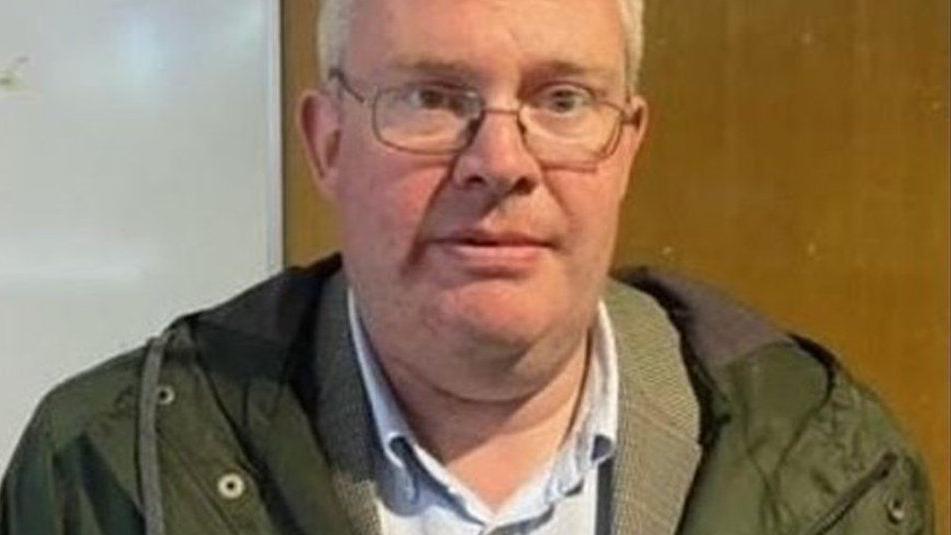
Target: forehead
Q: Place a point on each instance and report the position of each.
(487, 38)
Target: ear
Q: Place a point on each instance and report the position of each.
(318, 117)
(633, 137)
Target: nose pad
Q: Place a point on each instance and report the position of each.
(496, 157)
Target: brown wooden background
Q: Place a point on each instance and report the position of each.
(798, 157)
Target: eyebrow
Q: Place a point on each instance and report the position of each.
(556, 68)
(535, 73)
(432, 67)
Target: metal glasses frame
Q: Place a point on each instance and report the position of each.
(610, 146)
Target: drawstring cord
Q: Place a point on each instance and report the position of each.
(148, 460)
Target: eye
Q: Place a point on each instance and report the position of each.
(563, 100)
(428, 97)
(435, 98)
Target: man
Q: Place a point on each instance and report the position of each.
(466, 366)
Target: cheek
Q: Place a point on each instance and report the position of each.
(593, 204)
(383, 201)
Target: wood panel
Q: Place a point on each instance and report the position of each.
(310, 228)
(798, 158)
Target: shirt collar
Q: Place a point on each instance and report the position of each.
(592, 440)
(387, 416)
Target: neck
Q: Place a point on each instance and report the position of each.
(496, 439)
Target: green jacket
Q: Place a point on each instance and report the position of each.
(250, 418)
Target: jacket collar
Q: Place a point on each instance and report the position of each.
(658, 426)
(342, 411)
(716, 329)
(715, 332)
(319, 416)
(658, 448)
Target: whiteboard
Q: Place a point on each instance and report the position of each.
(139, 176)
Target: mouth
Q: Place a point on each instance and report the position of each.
(487, 253)
(494, 239)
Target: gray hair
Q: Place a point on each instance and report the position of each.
(333, 27)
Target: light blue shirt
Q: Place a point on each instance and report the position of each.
(419, 496)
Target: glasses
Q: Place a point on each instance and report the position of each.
(563, 124)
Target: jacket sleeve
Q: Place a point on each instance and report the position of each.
(29, 504)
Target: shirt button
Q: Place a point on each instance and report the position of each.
(231, 486)
(165, 395)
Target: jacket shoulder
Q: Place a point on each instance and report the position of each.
(107, 389)
(786, 426)
(54, 462)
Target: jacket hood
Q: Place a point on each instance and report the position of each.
(718, 329)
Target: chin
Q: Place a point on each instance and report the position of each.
(500, 313)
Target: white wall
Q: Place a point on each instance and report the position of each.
(139, 176)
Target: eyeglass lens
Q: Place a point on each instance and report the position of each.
(560, 127)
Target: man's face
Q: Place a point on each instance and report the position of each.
(488, 244)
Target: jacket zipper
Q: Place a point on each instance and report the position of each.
(878, 473)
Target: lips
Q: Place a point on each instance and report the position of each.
(485, 253)
(487, 238)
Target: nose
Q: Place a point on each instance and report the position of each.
(497, 160)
